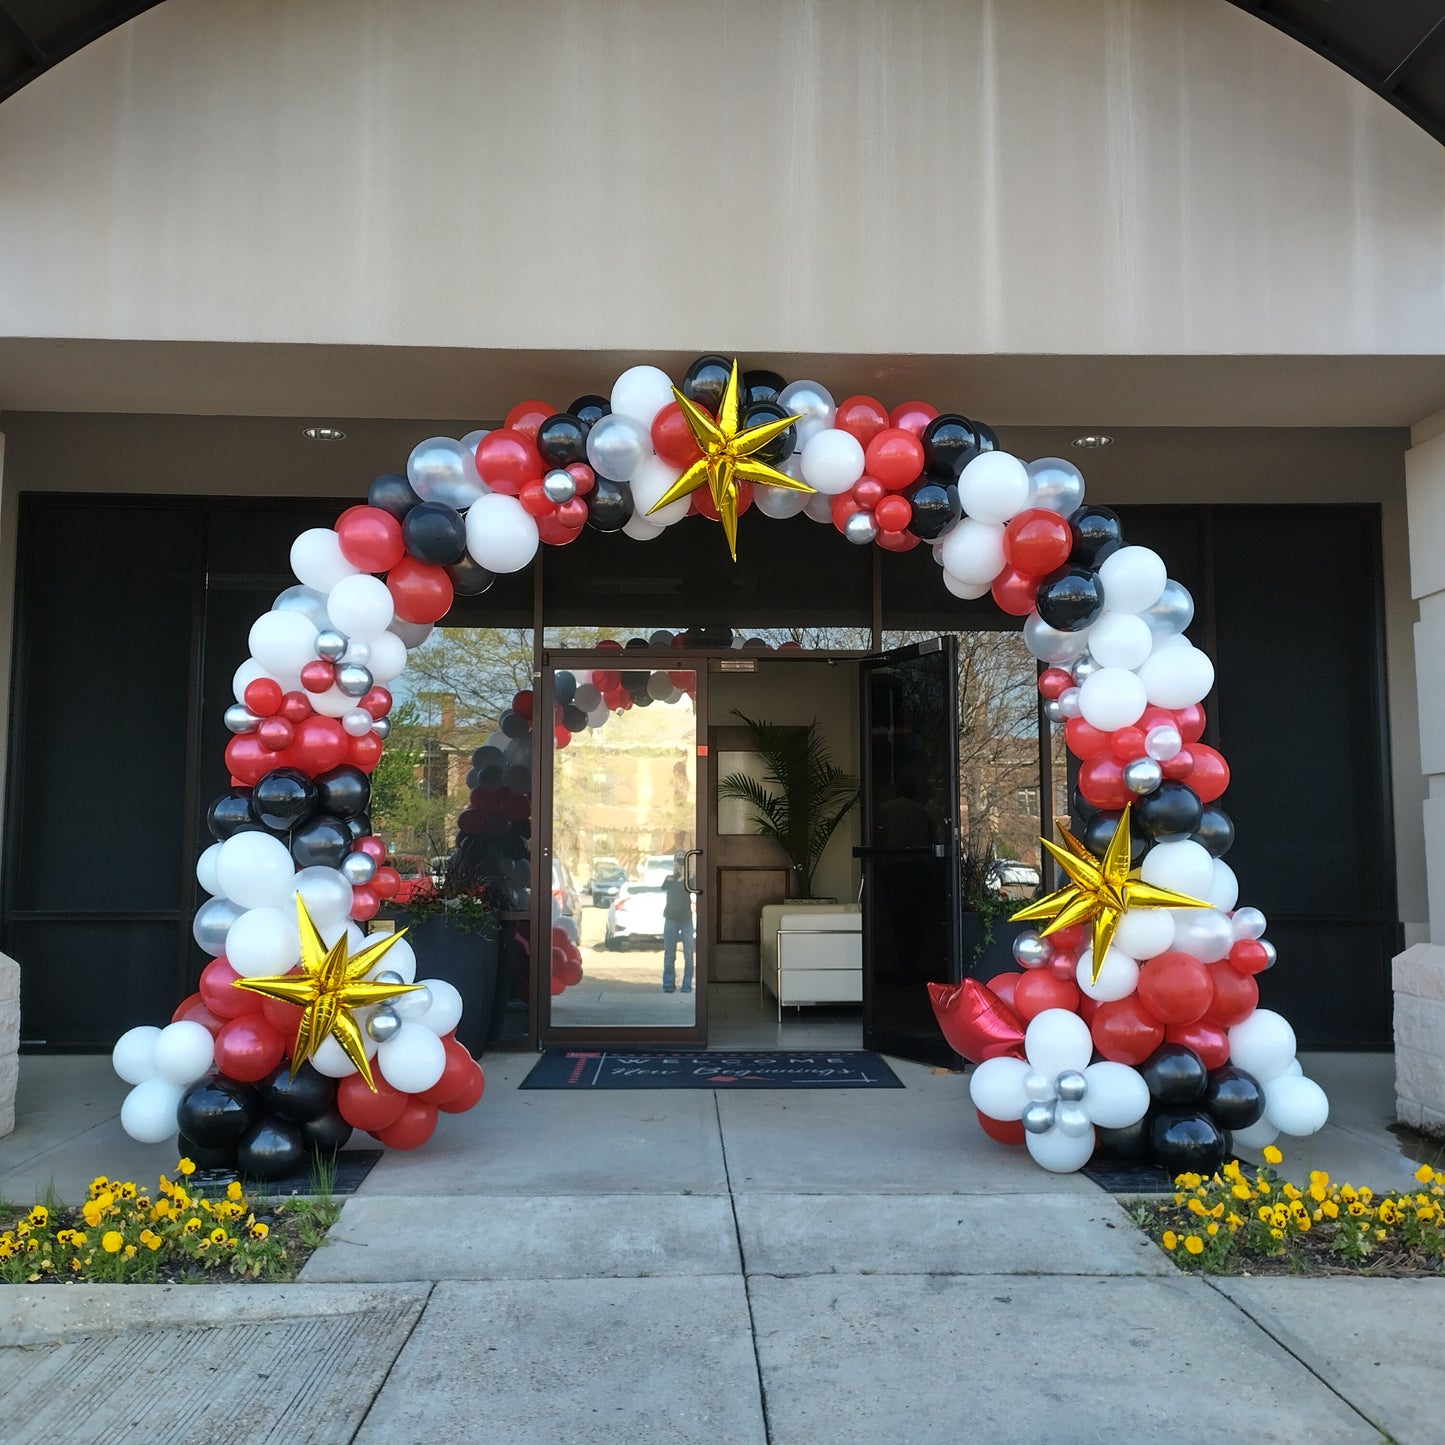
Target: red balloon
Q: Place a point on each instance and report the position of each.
(215, 987)
(555, 532)
(1249, 955)
(561, 736)
(417, 1124)
(370, 539)
(702, 500)
(975, 1021)
(1190, 721)
(1127, 744)
(321, 744)
(1179, 766)
(284, 1017)
(1083, 739)
(895, 458)
(1207, 1040)
(419, 592)
(842, 507)
(363, 1109)
(582, 475)
(248, 760)
(263, 697)
(1101, 781)
(469, 1096)
(275, 734)
(573, 512)
(1068, 940)
(296, 707)
(1236, 995)
(557, 986)
(373, 847)
(894, 513)
(193, 1010)
(506, 460)
(248, 1048)
(1175, 988)
(862, 417)
(1088, 1007)
(385, 882)
(1053, 681)
(1014, 591)
(1003, 984)
(317, 675)
(527, 416)
(1040, 989)
(1064, 966)
(377, 702)
(672, 438)
(572, 971)
(1124, 1033)
(1001, 1131)
(912, 416)
(534, 499)
(364, 752)
(456, 1075)
(1037, 541)
(896, 541)
(365, 903)
(1209, 776)
(522, 703)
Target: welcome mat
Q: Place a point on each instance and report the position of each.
(352, 1166)
(710, 1069)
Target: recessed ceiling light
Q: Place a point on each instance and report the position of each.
(1091, 441)
(323, 434)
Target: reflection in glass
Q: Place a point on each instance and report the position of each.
(710, 639)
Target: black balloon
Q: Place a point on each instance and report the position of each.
(469, 577)
(760, 386)
(573, 718)
(589, 410)
(1097, 532)
(204, 1157)
(1098, 828)
(513, 725)
(284, 798)
(987, 437)
(272, 1149)
(435, 534)
(950, 443)
(1129, 1142)
(1070, 598)
(326, 1134)
(635, 681)
(1232, 1098)
(705, 380)
(230, 813)
(1187, 1143)
(393, 494)
(1215, 832)
(935, 506)
(1171, 812)
(1175, 1075)
(760, 413)
(343, 792)
(359, 827)
(609, 506)
(309, 1095)
(321, 842)
(217, 1112)
(564, 686)
(562, 440)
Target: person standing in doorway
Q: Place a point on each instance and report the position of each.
(676, 927)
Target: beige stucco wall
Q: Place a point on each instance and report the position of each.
(909, 176)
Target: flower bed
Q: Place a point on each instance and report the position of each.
(124, 1235)
(1232, 1223)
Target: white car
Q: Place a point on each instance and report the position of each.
(656, 869)
(636, 913)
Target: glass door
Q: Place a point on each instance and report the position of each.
(620, 854)
(909, 855)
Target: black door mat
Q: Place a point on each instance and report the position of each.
(1128, 1176)
(352, 1166)
(710, 1069)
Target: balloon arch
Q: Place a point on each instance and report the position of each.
(1143, 1038)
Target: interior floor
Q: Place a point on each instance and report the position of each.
(743, 1016)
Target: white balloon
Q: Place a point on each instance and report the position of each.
(1263, 1045)
(640, 393)
(360, 606)
(1057, 1040)
(1120, 639)
(184, 1051)
(413, 1059)
(1183, 866)
(819, 508)
(1058, 1152)
(973, 551)
(263, 941)
(1202, 933)
(1117, 979)
(500, 535)
(1117, 1095)
(832, 461)
(148, 1114)
(1177, 676)
(779, 502)
(388, 658)
(1049, 644)
(1133, 578)
(330, 1058)
(1112, 698)
(1224, 892)
(967, 590)
(445, 1010)
(1256, 1135)
(283, 642)
(333, 702)
(249, 671)
(206, 871)
(994, 487)
(1162, 742)
(256, 871)
(134, 1054)
(318, 561)
(1145, 932)
(443, 470)
(332, 929)
(650, 482)
(640, 529)
(1295, 1105)
(399, 958)
(996, 1087)
(1248, 923)
(326, 893)
(212, 924)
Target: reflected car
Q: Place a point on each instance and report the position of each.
(416, 876)
(1009, 878)
(635, 916)
(656, 868)
(608, 876)
(565, 898)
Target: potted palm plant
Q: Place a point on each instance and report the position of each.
(802, 797)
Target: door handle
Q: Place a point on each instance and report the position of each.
(689, 870)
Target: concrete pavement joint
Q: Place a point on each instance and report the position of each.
(396, 1355)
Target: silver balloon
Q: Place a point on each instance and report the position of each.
(1038, 1117)
(1173, 612)
(814, 407)
(305, 600)
(358, 868)
(1084, 668)
(1050, 645)
(1142, 775)
(353, 679)
(414, 1004)
(1053, 711)
(383, 1024)
(389, 975)
(212, 922)
(1072, 1120)
(441, 469)
(1038, 1087)
(382, 728)
(356, 722)
(860, 529)
(357, 651)
(1271, 953)
(1056, 485)
(1071, 1086)
(1247, 923)
(779, 502)
(1163, 742)
(1069, 705)
(240, 719)
(819, 508)
(331, 645)
(617, 446)
(412, 634)
(559, 486)
(1030, 950)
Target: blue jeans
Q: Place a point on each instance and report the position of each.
(674, 929)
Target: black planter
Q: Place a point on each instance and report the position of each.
(985, 959)
(466, 959)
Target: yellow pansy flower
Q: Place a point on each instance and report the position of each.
(1194, 1244)
(186, 1167)
(233, 1190)
(260, 1230)
(1424, 1174)
(1272, 1155)
(111, 1241)
(1170, 1239)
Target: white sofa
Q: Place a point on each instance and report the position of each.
(810, 951)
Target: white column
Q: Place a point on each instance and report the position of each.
(1419, 972)
(9, 969)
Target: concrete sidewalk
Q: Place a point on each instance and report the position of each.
(772, 1266)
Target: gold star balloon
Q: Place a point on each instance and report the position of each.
(331, 986)
(727, 455)
(1100, 891)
